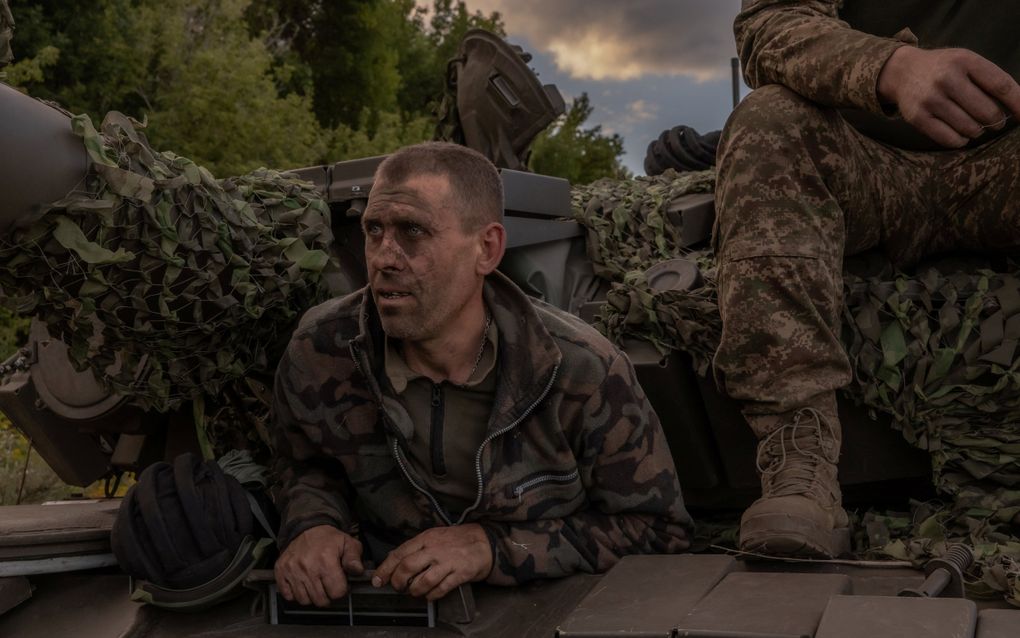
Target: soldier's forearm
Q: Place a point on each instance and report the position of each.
(587, 542)
(310, 493)
(807, 48)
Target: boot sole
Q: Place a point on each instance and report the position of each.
(785, 535)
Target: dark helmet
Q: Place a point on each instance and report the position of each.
(188, 532)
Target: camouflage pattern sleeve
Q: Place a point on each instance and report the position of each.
(633, 505)
(312, 489)
(804, 46)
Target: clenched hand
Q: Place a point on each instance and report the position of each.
(313, 568)
(437, 561)
(950, 95)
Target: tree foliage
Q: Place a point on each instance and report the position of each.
(581, 155)
(208, 89)
(345, 47)
(238, 84)
(219, 100)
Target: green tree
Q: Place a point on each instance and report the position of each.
(104, 55)
(581, 155)
(379, 57)
(219, 101)
(427, 46)
(208, 89)
(348, 48)
(392, 132)
(236, 84)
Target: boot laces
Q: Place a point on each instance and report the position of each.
(799, 457)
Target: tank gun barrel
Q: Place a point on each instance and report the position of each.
(42, 160)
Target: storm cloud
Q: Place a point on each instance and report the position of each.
(625, 39)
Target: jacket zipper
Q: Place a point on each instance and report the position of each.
(396, 447)
(435, 503)
(545, 478)
(481, 448)
(478, 455)
(437, 431)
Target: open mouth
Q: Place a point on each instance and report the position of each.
(394, 295)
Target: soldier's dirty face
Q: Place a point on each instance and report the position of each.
(422, 264)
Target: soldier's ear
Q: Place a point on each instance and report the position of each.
(492, 245)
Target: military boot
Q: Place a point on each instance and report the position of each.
(800, 511)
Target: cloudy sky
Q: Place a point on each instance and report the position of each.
(647, 65)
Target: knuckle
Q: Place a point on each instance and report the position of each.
(326, 555)
(400, 575)
(440, 591)
(929, 102)
(430, 579)
(962, 56)
(1003, 88)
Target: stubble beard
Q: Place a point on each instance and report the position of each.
(402, 327)
(418, 324)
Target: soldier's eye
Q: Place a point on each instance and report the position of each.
(414, 230)
(373, 228)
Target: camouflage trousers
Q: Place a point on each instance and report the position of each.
(799, 189)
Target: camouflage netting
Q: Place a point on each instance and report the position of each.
(628, 233)
(176, 284)
(935, 350)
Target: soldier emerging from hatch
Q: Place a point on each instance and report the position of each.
(871, 124)
(449, 425)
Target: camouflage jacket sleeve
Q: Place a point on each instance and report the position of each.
(804, 46)
(312, 490)
(633, 504)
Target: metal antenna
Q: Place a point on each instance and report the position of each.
(735, 64)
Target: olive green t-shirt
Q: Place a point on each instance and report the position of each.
(450, 422)
(987, 27)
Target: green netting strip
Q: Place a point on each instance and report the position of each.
(176, 284)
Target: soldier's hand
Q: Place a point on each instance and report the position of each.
(437, 561)
(313, 568)
(950, 95)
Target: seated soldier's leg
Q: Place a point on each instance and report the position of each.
(797, 188)
(976, 202)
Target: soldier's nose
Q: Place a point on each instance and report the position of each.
(386, 255)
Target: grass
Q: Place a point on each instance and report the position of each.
(36, 481)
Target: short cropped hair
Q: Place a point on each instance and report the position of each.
(474, 182)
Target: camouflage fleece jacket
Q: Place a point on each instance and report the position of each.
(573, 473)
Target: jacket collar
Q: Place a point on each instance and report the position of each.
(528, 354)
